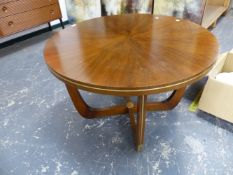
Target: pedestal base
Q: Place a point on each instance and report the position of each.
(138, 126)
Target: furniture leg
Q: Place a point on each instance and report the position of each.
(130, 106)
(50, 28)
(152, 10)
(138, 126)
(141, 119)
(168, 103)
(89, 112)
(62, 24)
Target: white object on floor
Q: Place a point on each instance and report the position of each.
(226, 77)
(217, 96)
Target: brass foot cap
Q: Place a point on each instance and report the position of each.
(139, 148)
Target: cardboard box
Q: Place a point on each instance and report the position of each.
(217, 96)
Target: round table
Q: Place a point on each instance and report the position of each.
(131, 55)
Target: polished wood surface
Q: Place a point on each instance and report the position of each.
(131, 54)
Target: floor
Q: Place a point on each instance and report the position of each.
(41, 132)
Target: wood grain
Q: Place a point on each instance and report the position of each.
(131, 54)
(14, 7)
(89, 112)
(22, 21)
(141, 121)
(140, 107)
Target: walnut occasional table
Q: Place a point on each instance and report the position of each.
(130, 55)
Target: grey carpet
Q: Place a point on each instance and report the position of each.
(41, 132)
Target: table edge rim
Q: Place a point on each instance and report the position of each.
(131, 91)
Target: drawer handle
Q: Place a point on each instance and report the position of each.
(10, 23)
(4, 8)
(52, 12)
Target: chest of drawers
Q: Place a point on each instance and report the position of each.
(18, 15)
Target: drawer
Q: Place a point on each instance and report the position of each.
(19, 22)
(18, 6)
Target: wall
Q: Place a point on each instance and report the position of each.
(64, 18)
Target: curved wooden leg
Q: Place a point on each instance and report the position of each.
(88, 112)
(138, 126)
(167, 104)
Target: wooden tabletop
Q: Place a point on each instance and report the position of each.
(131, 54)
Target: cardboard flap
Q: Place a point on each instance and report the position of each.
(228, 66)
(218, 67)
